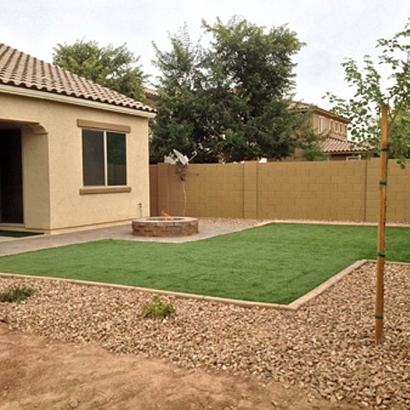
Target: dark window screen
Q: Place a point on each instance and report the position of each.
(116, 159)
(93, 157)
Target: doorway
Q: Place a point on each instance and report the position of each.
(11, 177)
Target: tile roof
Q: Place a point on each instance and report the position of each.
(150, 93)
(300, 106)
(303, 107)
(21, 70)
(336, 145)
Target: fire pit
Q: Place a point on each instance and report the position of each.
(163, 226)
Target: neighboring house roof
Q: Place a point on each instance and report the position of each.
(21, 70)
(303, 107)
(150, 93)
(334, 145)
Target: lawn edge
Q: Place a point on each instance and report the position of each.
(293, 306)
(325, 286)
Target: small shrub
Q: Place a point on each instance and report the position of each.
(157, 308)
(16, 294)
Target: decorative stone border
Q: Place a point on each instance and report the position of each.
(164, 226)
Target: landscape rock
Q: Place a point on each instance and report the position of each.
(326, 347)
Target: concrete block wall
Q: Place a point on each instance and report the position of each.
(208, 190)
(398, 194)
(324, 191)
(329, 191)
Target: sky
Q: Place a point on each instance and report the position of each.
(333, 30)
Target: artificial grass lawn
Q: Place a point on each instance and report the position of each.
(274, 263)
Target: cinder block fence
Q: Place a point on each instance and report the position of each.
(327, 191)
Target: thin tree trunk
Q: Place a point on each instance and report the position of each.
(384, 156)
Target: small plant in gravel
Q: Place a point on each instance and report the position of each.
(158, 308)
(16, 293)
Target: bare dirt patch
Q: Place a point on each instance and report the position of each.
(39, 373)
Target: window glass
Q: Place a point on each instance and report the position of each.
(116, 159)
(93, 157)
(104, 158)
(321, 124)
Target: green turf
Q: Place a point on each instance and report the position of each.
(274, 263)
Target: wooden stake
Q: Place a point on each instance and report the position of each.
(384, 156)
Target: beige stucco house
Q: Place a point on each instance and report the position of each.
(336, 144)
(73, 154)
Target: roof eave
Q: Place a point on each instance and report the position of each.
(331, 115)
(46, 95)
(345, 152)
(320, 111)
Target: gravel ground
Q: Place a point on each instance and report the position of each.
(326, 347)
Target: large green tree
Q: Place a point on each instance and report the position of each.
(180, 123)
(374, 87)
(229, 101)
(112, 67)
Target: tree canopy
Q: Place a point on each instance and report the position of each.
(112, 67)
(229, 101)
(372, 90)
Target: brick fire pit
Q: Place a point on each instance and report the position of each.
(164, 226)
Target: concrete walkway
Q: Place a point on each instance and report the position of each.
(12, 246)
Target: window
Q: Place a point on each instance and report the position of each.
(104, 158)
(321, 124)
(332, 125)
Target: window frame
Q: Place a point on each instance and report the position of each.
(105, 129)
(321, 124)
(104, 144)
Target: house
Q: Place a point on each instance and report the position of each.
(73, 154)
(343, 150)
(324, 121)
(335, 128)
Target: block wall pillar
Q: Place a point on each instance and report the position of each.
(250, 191)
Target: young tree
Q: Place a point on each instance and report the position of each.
(229, 102)
(111, 67)
(372, 91)
(377, 114)
(400, 137)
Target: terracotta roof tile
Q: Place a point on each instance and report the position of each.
(303, 107)
(336, 145)
(300, 106)
(21, 70)
(149, 92)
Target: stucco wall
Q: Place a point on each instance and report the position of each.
(52, 165)
(328, 191)
(36, 180)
